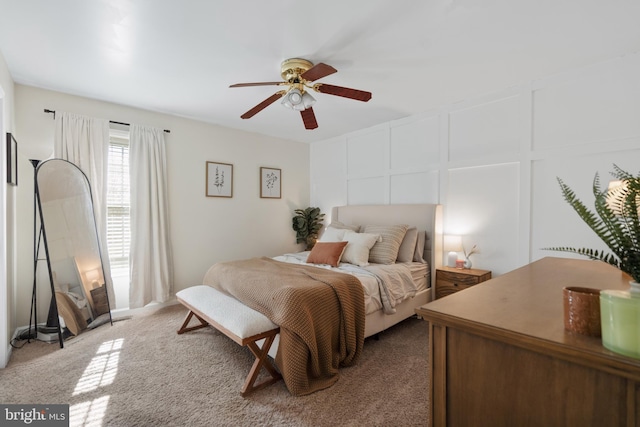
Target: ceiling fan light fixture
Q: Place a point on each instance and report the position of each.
(292, 99)
(307, 100)
(296, 100)
(298, 75)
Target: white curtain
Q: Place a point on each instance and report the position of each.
(84, 141)
(150, 258)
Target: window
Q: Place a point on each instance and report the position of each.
(118, 205)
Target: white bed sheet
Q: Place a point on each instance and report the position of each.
(372, 298)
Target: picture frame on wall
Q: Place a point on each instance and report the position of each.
(219, 179)
(12, 160)
(270, 183)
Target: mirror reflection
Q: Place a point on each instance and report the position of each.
(71, 245)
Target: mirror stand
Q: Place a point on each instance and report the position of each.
(53, 322)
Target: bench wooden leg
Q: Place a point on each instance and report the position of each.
(261, 354)
(183, 328)
(262, 360)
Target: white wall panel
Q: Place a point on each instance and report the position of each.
(329, 175)
(485, 129)
(483, 208)
(414, 188)
(499, 156)
(366, 153)
(601, 104)
(367, 191)
(414, 143)
(553, 220)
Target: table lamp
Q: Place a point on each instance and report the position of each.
(452, 245)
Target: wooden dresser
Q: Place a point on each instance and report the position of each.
(499, 354)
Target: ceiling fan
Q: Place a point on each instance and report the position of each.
(298, 75)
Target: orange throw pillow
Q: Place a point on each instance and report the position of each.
(327, 253)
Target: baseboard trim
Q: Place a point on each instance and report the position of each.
(8, 350)
(123, 313)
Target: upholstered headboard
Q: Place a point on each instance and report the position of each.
(426, 217)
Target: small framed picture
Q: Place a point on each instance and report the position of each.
(219, 179)
(270, 183)
(12, 160)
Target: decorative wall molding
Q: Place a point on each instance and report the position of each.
(572, 124)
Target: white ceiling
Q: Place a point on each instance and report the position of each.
(179, 57)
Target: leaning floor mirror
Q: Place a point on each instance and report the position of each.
(72, 248)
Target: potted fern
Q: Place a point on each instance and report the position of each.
(307, 224)
(615, 220)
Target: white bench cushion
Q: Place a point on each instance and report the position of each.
(227, 311)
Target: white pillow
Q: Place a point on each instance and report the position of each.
(357, 251)
(331, 234)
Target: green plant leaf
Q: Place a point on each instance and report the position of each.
(307, 223)
(616, 221)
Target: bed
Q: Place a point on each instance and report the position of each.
(425, 217)
(382, 309)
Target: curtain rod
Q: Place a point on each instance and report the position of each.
(46, 110)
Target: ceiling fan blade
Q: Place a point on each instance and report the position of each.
(318, 71)
(309, 118)
(257, 84)
(358, 95)
(264, 104)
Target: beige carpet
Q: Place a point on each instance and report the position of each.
(139, 372)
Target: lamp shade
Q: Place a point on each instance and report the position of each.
(614, 196)
(452, 243)
(297, 100)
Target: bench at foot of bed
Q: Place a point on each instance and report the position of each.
(237, 321)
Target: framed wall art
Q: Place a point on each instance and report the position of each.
(270, 183)
(12, 160)
(219, 179)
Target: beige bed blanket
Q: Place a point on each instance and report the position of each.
(320, 313)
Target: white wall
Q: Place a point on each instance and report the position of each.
(7, 220)
(204, 230)
(492, 161)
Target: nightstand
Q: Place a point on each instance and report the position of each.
(450, 280)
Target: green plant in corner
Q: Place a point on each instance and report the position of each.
(307, 224)
(616, 221)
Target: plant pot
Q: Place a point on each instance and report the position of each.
(311, 242)
(620, 311)
(582, 310)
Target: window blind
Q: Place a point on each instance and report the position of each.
(118, 204)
